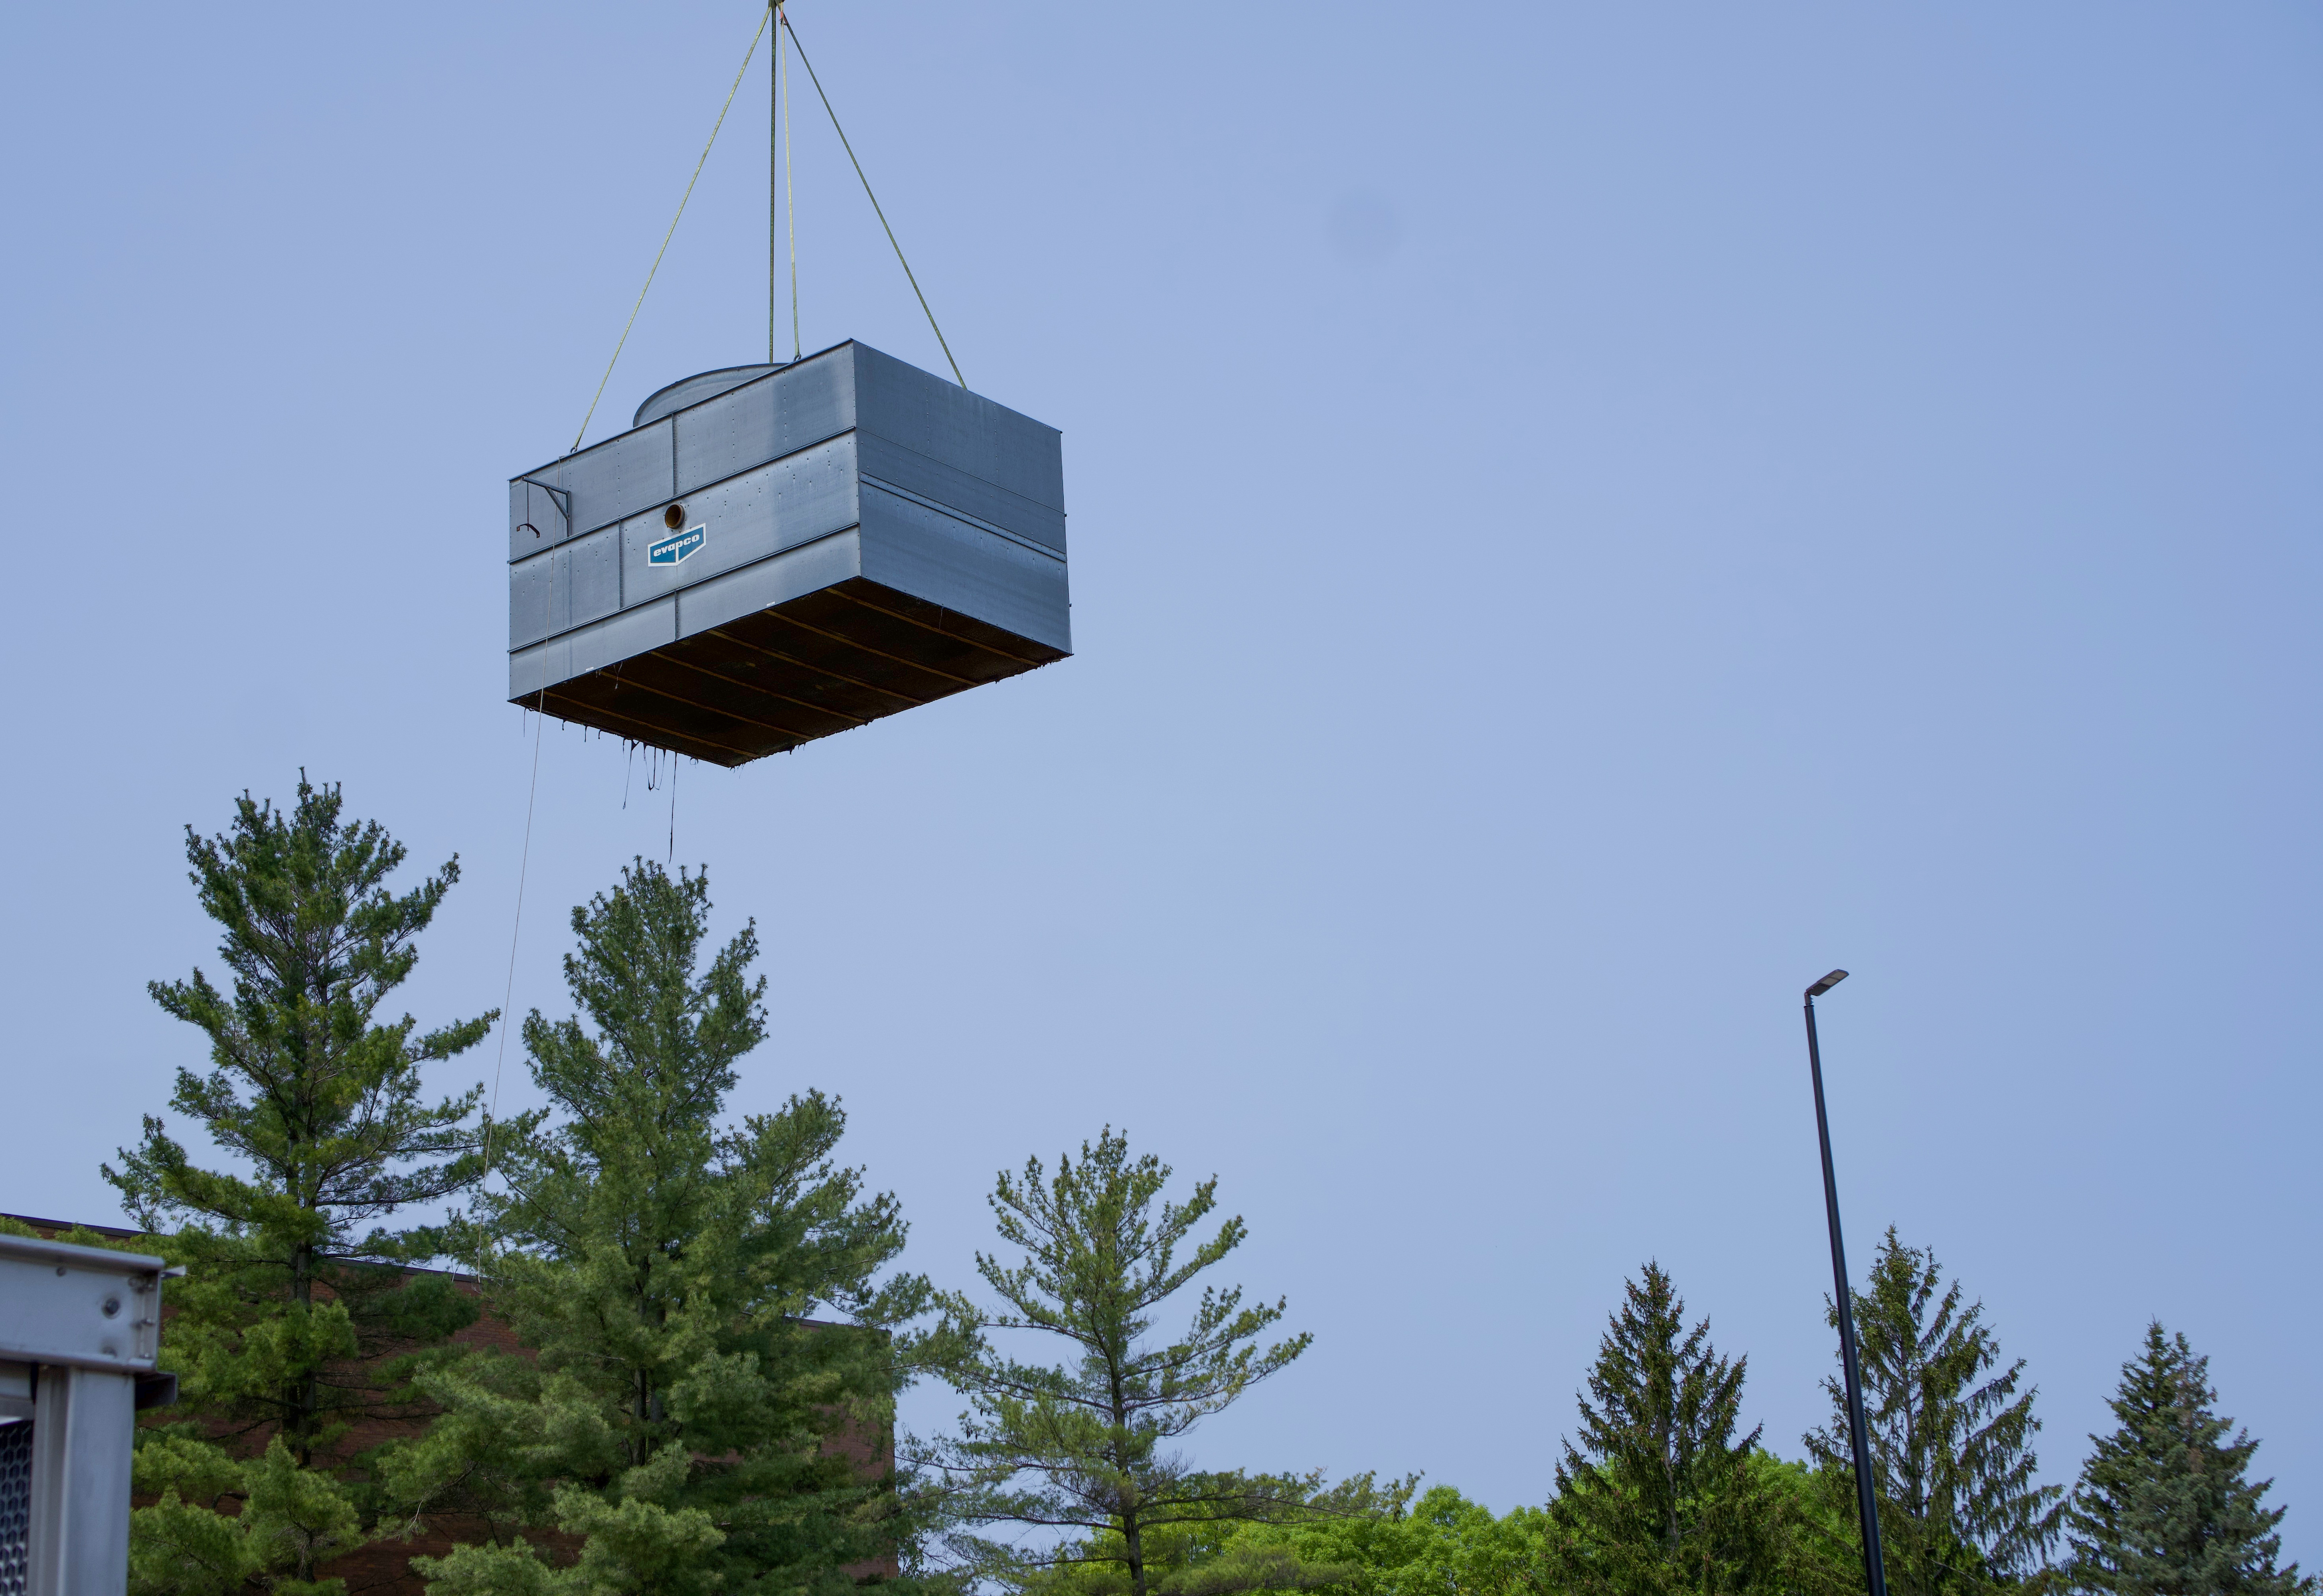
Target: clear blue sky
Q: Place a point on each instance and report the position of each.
(1583, 519)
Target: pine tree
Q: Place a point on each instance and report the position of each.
(682, 1413)
(295, 1290)
(2164, 1505)
(1951, 1436)
(1088, 1435)
(1661, 1496)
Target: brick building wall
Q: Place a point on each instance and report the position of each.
(382, 1568)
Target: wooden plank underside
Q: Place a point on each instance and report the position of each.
(827, 662)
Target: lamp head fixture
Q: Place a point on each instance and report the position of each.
(1825, 985)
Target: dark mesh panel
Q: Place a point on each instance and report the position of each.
(15, 1504)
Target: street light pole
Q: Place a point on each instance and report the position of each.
(1867, 1501)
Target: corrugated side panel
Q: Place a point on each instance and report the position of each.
(824, 563)
(765, 419)
(912, 473)
(609, 482)
(921, 551)
(593, 648)
(536, 519)
(745, 518)
(954, 427)
(564, 587)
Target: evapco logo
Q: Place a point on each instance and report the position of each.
(675, 547)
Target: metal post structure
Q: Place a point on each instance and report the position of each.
(1867, 1500)
(79, 1329)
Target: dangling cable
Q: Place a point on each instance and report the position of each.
(523, 864)
(773, 129)
(783, 18)
(671, 233)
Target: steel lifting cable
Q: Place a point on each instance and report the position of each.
(790, 179)
(774, 173)
(523, 864)
(698, 165)
(781, 189)
(785, 17)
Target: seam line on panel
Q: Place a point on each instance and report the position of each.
(965, 519)
(948, 465)
(761, 465)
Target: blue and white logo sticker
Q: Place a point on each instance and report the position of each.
(675, 547)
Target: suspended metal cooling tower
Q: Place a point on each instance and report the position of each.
(774, 553)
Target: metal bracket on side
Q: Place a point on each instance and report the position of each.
(562, 498)
(80, 1336)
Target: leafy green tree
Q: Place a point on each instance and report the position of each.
(296, 1291)
(1079, 1446)
(1951, 1436)
(1368, 1540)
(1442, 1545)
(2165, 1505)
(1355, 1539)
(682, 1413)
(1213, 1557)
(1822, 1555)
(1661, 1495)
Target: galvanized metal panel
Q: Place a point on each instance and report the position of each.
(744, 518)
(530, 606)
(612, 479)
(591, 647)
(912, 473)
(731, 434)
(786, 576)
(523, 538)
(702, 386)
(921, 551)
(593, 576)
(536, 519)
(795, 408)
(565, 587)
(89, 1306)
(963, 430)
(77, 1533)
(540, 594)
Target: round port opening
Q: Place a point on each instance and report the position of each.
(674, 517)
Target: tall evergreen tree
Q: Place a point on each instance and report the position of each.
(1079, 1445)
(1951, 1436)
(682, 1413)
(294, 1292)
(2165, 1505)
(1661, 1495)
